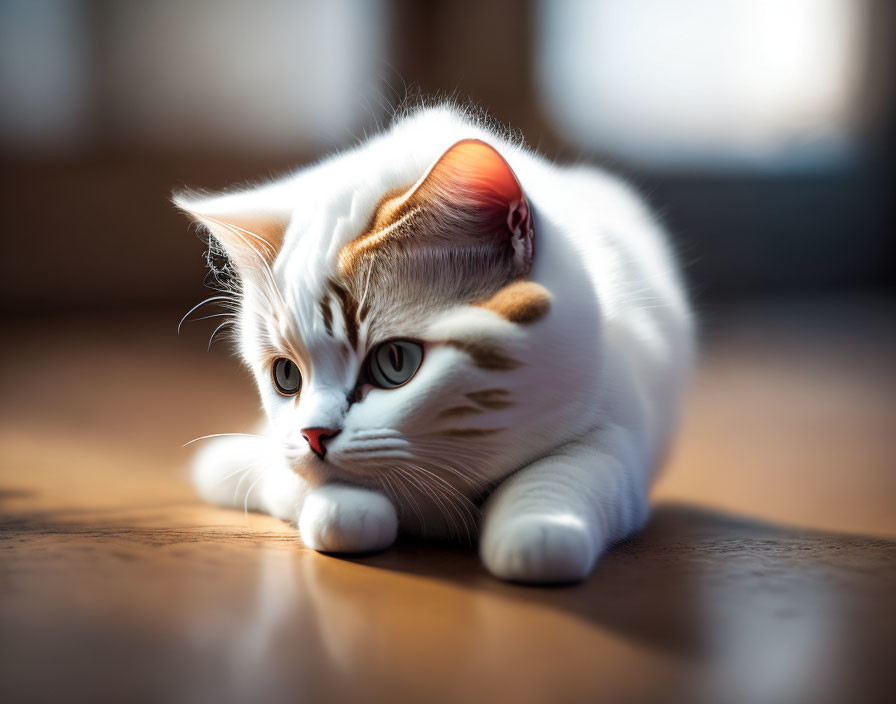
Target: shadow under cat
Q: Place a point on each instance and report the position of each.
(773, 610)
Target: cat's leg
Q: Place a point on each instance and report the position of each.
(551, 520)
(248, 473)
(344, 518)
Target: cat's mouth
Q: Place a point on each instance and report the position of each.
(358, 458)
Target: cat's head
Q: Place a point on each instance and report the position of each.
(388, 339)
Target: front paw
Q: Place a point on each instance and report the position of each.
(539, 549)
(341, 518)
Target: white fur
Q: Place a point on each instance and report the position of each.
(595, 401)
(342, 518)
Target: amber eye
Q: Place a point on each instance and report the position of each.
(393, 363)
(287, 378)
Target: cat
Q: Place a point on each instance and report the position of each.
(452, 337)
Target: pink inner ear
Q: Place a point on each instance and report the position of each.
(474, 170)
(475, 176)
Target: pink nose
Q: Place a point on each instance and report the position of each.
(316, 438)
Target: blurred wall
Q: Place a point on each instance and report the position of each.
(111, 105)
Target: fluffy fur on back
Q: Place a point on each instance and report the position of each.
(550, 319)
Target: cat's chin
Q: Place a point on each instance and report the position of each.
(315, 472)
(319, 473)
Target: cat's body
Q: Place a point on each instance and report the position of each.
(554, 349)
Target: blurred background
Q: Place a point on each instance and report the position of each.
(759, 130)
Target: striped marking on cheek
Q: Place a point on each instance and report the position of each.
(493, 399)
(522, 302)
(486, 356)
(458, 411)
(469, 432)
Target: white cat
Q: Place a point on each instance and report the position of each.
(452, 337)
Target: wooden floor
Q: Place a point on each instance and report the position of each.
(767, 573)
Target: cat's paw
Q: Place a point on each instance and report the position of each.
(539, 549)
(341, 518)
(225, 468)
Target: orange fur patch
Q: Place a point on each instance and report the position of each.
(387, 226)
(522, 302)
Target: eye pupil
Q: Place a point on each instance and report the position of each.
(396, 357)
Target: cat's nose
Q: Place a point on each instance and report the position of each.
(317, 438)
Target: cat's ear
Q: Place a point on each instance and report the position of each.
(473, 181)
(468, 200)
(248, 225)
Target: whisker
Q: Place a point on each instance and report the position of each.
(210, 299)
(251, 487)
(237, 471)
(215, 331)
(456, 473)
(236, 489)
(224, 435)
(216, 315)
(411, 501)
(419, 485)
(399, 451)
(450, 492)
(427, 489)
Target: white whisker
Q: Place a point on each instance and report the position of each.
(224, 435)
(251, 487)
(231, 474)
(215, 331)
(412, 502)
(199, 305)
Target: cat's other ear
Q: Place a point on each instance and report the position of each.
(248, 225)
(475, 180)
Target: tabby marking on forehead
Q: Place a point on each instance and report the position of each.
(349, 308)
(327, 314)
(522, 302)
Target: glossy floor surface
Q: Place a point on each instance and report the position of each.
(767, 573)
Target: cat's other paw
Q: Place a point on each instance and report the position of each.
(342, 518)
(539, 549)
(224, 468)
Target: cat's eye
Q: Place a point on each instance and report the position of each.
(394, 362)
(287, 378)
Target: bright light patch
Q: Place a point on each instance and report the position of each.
(703, 83)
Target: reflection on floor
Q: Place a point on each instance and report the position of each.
(116, 584)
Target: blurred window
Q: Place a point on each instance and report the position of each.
(240, 75)
(43, 74)
(767, 84)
